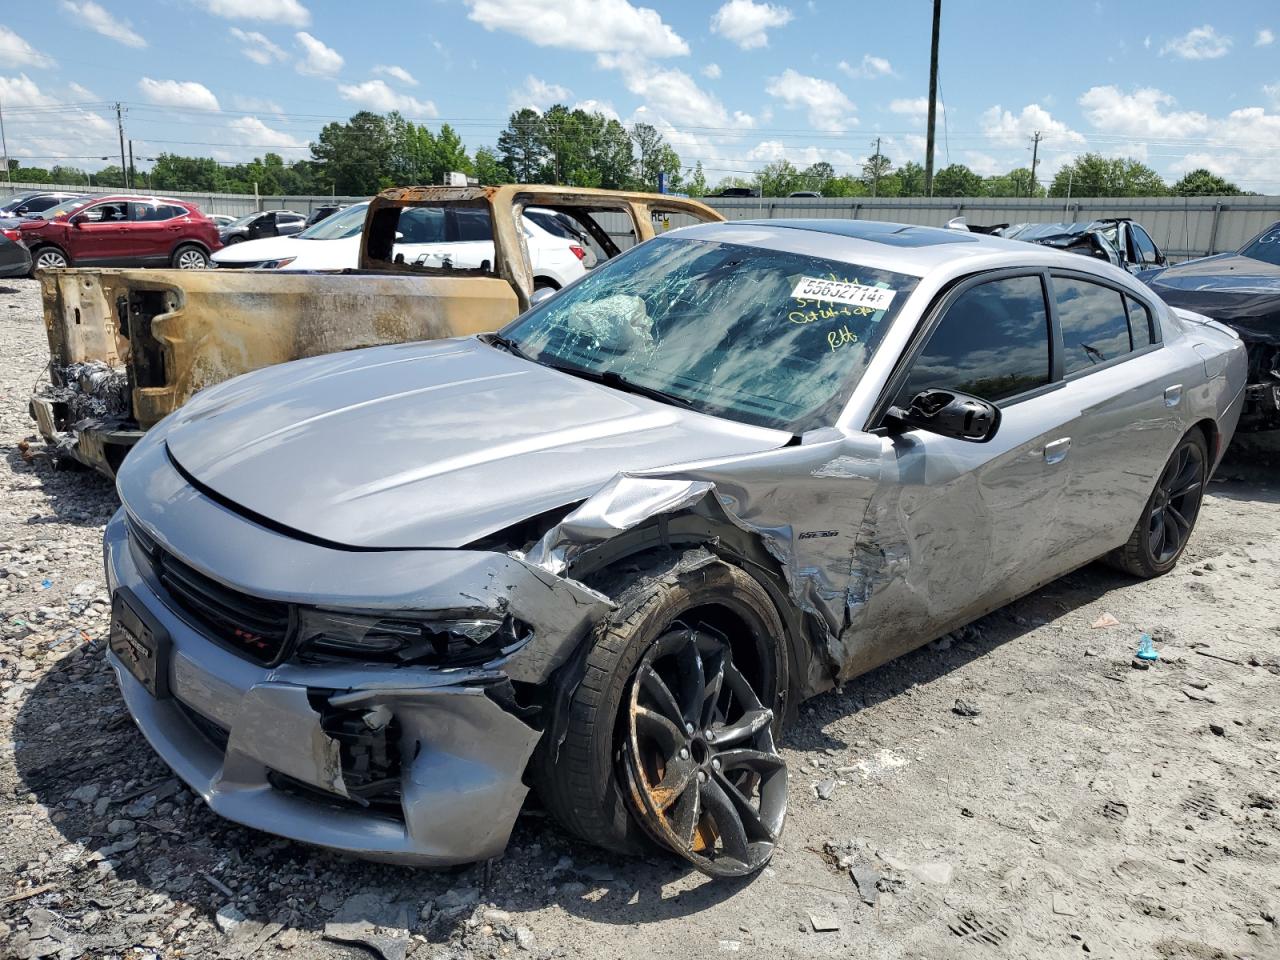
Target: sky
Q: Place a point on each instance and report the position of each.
(732, 84)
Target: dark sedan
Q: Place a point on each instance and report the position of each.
(1242, 290)
(267, 223)
(15, 259)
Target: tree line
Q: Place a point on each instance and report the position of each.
(370, 152)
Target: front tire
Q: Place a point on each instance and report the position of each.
(48, 258)
(1167, 520)
(190, 257)
(703, 642)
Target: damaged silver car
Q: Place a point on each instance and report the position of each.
(369, 600)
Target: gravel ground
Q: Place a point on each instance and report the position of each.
(1016, 789)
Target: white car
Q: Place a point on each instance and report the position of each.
(433, 236)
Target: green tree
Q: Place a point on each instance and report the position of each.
(521, 146)
(1093, 175)
(957, 180)
(1202, 183)
(489, 169)
(816, 176)
(1015, 183)
(356, 155)
(875, 169)
(696, 185)
(778, 179)
(911, 180)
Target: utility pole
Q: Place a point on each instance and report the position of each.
(130, 172)
(875, 169)
(1035, 152)
(120, 127)
(4, 148)
(933, 100)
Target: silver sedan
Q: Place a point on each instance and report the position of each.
(367, 600)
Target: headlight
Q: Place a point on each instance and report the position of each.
(276, 264)
(409, 637)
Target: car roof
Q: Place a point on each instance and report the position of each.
(900, 247)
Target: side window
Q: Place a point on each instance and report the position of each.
(1146, 248)
(993, 343)
(473, 224)
(37, 204)
(107, 213)
(1140, 332)
(151, 212)
(421, 225)
(1095, 326)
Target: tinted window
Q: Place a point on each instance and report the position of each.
(1095, 327)
(473, 224)
(421, 225)
(1146, 248)
(1266, 247)
(37, 204)
(108, 213)
(153, 212)
(1139, 324)
(993, 343)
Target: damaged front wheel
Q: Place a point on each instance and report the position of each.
(670, 731)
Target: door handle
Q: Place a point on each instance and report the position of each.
(1056, 451)
(1173, 395)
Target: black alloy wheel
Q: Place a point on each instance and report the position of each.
(1176, 503)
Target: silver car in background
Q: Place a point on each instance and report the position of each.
(366, 600)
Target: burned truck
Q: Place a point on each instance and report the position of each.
(128, 347)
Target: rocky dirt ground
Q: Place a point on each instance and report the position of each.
(1017, 789)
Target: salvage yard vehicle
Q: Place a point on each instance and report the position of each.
(1242, 290)
(129, 347)
(1119, 240)
(123, 230)
(366, 600)
(15, 259)
(257, 226)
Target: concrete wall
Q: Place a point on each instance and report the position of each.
(1183, 227)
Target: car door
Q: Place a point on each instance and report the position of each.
(287, 224)
(957, 528)
(151, 232)
(1128, 390)
(99, 234)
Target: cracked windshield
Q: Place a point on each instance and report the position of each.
(766, 337)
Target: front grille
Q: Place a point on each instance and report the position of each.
(215, 734)
(256, 628)
(240, 264)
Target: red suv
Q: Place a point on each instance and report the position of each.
(121, 231)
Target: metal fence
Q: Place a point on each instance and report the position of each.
(1182, 226)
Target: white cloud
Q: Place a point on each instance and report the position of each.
(185, 94)
(673, 94)
(81, 132)
(748, 23)
(1265, 38)
(1199, 43)
(869, 69)
(539, 94)
(711, 71)
(597, 26)
(1142, 113)
(915, 109)
(1272, 90)
(1014, 130)
(255, 104)
(22, 91)
(827, 106)
(289, 12)
(91, 15)
(254, 133)
(319, 60)
(598, 106)
(376, 95)
(396, 73)
(769, 151)
(16, 52)
(257, 47)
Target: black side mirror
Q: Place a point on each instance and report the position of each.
(949, 413)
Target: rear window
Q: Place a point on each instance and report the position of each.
(1095, 324)
(1266, 247)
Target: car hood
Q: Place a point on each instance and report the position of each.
(1239, 291)
(251, 251)
(430, 444)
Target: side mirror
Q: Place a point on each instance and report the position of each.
(542, 293)
(949, 413)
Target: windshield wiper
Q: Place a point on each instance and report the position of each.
(506, 343)
(616, 380)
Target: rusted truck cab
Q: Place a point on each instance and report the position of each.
(128, 347)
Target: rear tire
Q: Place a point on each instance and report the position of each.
(586, 787)
(1169, 517)
(190, 257)
(48, 258)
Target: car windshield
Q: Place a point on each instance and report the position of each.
(1266, 247)
(13, 204)
(761, 336)
(66, 206)
(1039, 231)
(339, 226)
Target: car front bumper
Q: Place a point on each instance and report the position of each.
(251, 740)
